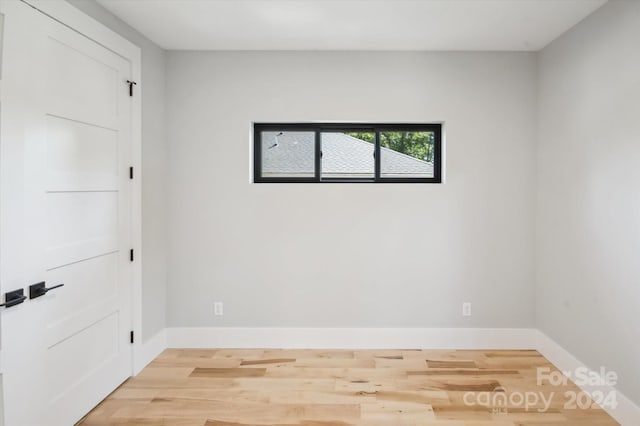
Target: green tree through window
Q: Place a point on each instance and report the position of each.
(415, 144)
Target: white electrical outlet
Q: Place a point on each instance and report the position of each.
(217, 308)
(466, 309)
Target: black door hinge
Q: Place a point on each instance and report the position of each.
(131, 255)
(130, 172)
(131, 336)
(131, 84)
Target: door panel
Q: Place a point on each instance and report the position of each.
(82, 225)
(66, 127)
(82, 82)
(86, 284)
(80, 156)
(95, 354)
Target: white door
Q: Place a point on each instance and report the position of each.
(65, 219)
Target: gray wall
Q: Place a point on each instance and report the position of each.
(588, 233)
(351, 254)
(154, 224)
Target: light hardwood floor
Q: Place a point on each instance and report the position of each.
(194, 387)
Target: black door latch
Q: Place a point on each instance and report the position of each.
(39, 289)
(13, 298)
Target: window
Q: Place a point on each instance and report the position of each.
(340, 152)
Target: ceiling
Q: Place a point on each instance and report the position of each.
(352, 24)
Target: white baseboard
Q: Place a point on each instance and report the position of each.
(147, 351)
(626, 412)
(352, 338)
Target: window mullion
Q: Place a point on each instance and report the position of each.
(318, 156)
(376, 153)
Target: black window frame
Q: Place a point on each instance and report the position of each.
(319, 128)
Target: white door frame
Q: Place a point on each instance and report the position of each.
(72, 17)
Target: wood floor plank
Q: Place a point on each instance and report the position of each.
(461, 372)
(268, 361)
(227, 372)
(432, 363)
(195, 361)
(304, 387)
